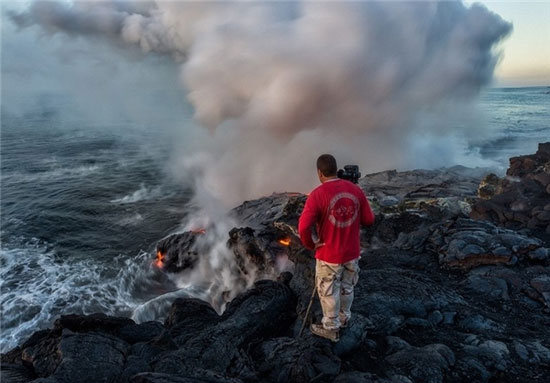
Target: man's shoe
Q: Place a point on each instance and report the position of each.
(319, 330)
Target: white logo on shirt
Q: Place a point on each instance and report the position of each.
(343, 209)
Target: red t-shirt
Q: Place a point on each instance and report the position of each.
(338, 208)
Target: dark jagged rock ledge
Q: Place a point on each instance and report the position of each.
(522, 198)
(453, 288)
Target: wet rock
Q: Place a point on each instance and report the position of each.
(262, 312)
(89, 357)
(95, 322)
(179, 252)
(134, 333)
(148, 351)
(256, 246)
(190, 310)
(247, 251)
(15, 373)
(297, 360)
(169, 363)
(40, 352)
(188, 316)
(422, 364)
(134, 365)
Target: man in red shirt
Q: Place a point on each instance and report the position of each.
(337, 208)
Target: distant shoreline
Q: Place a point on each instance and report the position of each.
(517, 87)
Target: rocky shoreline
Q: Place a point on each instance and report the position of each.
(454, 286)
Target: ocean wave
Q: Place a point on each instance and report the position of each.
(144, 193)
(52, 174)
(131, 220)
(159, 307)
(38, 286)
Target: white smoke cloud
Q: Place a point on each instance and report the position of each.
(277, 84)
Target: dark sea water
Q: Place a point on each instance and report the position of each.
(84, 204)
(517, 120)
(82, 208)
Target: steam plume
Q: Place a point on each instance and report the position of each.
(375, 83)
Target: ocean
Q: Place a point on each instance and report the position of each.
(83, 205)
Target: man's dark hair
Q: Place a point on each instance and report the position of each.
(326, 163)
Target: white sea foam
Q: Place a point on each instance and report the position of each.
(217, 277)
(132, 220)
(51, 174)
(144, 193)
(158, 307)
(37, 287)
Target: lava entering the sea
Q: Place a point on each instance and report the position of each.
(160, 259)
(284, 241)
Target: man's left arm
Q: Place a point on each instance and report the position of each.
(367, 216)
(307, 220)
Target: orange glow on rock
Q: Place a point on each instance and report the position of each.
(285, 241)
(160, 258)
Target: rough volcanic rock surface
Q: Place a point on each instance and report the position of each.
(441, 298)
(522, 198)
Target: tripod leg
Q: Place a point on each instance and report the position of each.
(308, 309)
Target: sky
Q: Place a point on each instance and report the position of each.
(526, 52)
(526, 58)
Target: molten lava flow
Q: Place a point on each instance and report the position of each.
(160, 258)
(285, 241)
(198, 231)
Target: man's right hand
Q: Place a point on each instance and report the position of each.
(319, 244)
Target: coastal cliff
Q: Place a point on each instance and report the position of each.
(454, 286)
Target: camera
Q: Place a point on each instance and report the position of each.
(350, 173)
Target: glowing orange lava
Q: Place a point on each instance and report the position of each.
(285, 241)
(160, 258)
(199, 231)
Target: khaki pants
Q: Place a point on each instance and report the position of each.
(335, 283)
